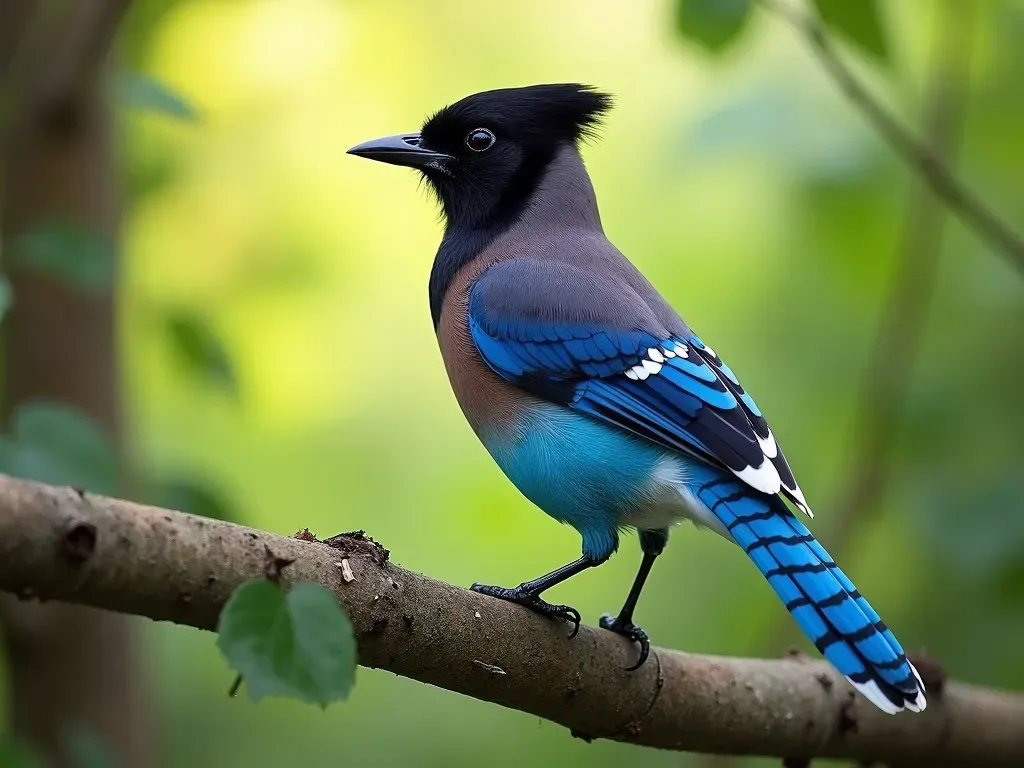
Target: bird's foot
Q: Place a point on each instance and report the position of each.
(630, 630)
(533, 602)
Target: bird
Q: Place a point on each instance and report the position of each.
(590, 392)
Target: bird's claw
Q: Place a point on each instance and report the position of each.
(629, 630)
(533, 602)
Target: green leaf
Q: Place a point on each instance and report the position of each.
(6, 296)
(196, 498)
(713, 24)
(148, 95)
(54, 443)
(199, 349)
(859, 21)
(299, 643)
(67, 252)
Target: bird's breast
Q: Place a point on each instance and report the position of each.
(572, 466)
(491, 404)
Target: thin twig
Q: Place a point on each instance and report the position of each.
(905, 310)
(916, 153)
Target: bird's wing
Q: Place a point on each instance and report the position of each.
(595, 346)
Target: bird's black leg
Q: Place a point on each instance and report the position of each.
(653, 544)
(528, 593)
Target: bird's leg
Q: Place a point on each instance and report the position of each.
(528, 593)
(653, 544)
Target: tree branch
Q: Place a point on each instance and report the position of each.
(58, 543)
(917, 154)
(905, 311)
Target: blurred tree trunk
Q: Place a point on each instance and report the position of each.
(69, 666)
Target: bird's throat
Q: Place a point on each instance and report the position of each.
(555, 193)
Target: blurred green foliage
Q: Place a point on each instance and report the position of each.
(17, 754)
(859, 22)
(146, 94)
(85, 750)
(713, 24)
(200, 351)
(54, 443)
(195, 495)
(744, 186)
(81, 749)
(67, 252)
(6, 296)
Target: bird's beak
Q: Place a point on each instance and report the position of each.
(403, 149)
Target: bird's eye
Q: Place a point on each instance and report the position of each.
(479, 139)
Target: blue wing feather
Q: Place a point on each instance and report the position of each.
(685, 398)
(687, 406)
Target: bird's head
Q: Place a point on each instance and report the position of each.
(485, 155)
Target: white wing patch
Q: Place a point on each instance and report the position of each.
(640, 373)
(653, 367)
(765, 477)
(650, 365)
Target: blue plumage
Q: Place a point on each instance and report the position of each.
(826, 605)
(679, 395)
(592, 394)
(670, 388)
(578, 470)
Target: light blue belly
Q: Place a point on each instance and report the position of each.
(595, 477)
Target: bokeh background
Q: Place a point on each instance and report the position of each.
(264, 273)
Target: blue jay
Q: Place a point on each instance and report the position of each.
(590, 392)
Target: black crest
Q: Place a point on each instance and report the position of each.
(536, 113)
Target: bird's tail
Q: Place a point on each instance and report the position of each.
(824, 602)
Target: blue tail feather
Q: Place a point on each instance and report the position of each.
(823, 601)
